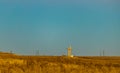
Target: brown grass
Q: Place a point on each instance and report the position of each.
(59, 64)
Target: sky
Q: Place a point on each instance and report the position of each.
(50, 26)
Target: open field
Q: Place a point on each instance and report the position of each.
(58, 64)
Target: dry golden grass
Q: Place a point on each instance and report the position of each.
(58, 64)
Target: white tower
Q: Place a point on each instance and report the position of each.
(69, 51)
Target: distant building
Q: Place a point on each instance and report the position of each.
(69, 52)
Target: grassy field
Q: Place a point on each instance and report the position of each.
(10, 63)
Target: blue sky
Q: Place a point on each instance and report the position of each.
(50, 26)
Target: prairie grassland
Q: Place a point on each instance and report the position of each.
(59, 64)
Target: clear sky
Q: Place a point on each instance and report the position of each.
(50, 26)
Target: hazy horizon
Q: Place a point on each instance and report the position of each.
(51, 26)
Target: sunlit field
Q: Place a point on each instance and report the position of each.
(10, 63)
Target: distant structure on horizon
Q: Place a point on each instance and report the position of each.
(102, 53)
(37, 52)
(69, 51)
